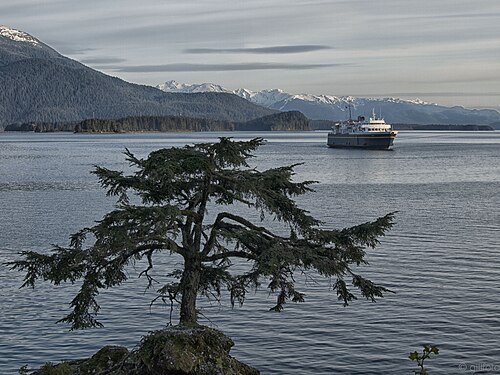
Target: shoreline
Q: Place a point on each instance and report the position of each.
(421, 128)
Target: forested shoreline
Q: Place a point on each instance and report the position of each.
(285, 121)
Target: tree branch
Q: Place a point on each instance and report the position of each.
(209, 245)
(145, 272)
(228, 254)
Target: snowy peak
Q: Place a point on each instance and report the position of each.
(18, 36)
(170, 86)
(324, 99)
(244, 93)
(174, 86)
(269, 98)
(265, 98)
(329, 107)
(276, 98)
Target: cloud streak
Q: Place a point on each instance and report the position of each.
(103, 60)
(262, 50)
(67, 49)
(446, 47)
(218, 67)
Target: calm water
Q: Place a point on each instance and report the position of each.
(442, 258)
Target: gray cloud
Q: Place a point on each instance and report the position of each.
(446, 47)
(218, 67)
(103, 60)
(67, 49)
(454, 16)
(273, 50)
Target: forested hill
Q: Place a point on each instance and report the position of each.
(281, 121)
(333, 108)
(40, 85)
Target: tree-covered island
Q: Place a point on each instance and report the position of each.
(282, 121)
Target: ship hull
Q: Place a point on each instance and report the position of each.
(368, 141)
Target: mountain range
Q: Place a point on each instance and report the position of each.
(327, 107)
(39, 84)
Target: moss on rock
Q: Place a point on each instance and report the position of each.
(51, 369)
(173, 351)
(199, 350)
(105, 359)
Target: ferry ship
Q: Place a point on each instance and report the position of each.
(372, 134)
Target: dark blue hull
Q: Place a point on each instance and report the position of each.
(368, 141)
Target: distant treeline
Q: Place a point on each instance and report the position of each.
(41, 127)
(327, 125)
(442, 127)
(283, 121)
(322, 124)
(292, 120)
(128, 124)
(151, 124)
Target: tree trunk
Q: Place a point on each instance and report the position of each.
(189, 287)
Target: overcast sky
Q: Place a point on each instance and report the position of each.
(444, 51)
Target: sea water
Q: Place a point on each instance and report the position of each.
(442, 258)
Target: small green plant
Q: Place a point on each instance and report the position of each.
(23, 370)
(420, 358)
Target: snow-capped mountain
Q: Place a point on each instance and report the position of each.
(329, 107)
(37, 84)
(271, 97)
(173, 86)
(17, 45)
(18, 35)
(265, 98)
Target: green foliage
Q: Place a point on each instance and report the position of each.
(23, 370)
(420, 358)
(176, 186)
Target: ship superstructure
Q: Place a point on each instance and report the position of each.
(372, 134)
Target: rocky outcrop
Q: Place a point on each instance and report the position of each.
(176, 350)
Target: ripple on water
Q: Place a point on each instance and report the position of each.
(441, 258)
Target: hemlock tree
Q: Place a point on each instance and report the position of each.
(175, 187)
